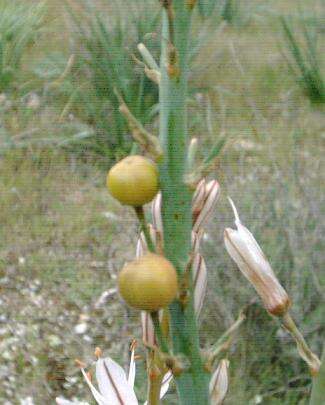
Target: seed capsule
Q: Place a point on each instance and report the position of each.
(148, 283)
(133, 181)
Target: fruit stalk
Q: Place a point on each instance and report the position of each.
(144, 227)
(160, 337)
(318, 391)
(192, 384)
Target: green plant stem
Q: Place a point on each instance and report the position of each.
(147, 57)
(305, 353)
(154, 390)
(318, 391)
(159, 335)
(144, 227)
(226, 339)
(192, 384)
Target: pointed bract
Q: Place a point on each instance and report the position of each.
(132, 367)
(165, 384)
(97, 395)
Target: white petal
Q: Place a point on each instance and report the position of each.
(219, 383)
(98, 397)
(165, 384)
(132, 370)
(249, 257)
(237, 220)
(113, 384)
(244, 234)
(139, 249)
(156, 213)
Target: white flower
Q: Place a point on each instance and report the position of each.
(114, 386)
(245, 251)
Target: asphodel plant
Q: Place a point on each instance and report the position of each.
(167, 280)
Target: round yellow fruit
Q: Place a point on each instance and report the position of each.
(133, 181)
(148, 283)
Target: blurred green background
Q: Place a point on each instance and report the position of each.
(257, 80)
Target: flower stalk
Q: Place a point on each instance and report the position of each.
(224, 342)
(192, 383)
(159, 334)
(250, 259)
(144, 228)
(303, 349)
(318, 390)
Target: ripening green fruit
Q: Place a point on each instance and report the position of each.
(133, 181)
(148, 283)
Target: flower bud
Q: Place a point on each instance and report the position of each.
(198, 198)
(204, 204)
(200, 280)
(219, 383)
(245, 251)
